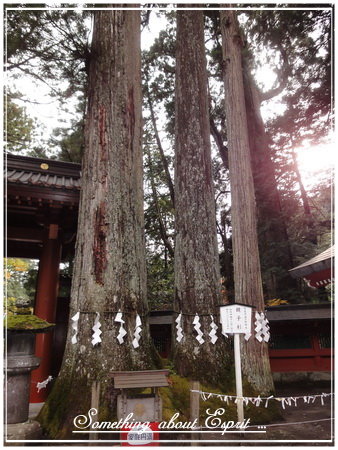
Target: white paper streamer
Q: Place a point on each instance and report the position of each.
(267, 401)
(179, 330)
(137, 332)
(266, 328)
(75, 326)
(213, 332)
(262, 327)
(197, 326)
(247, 336)
(258, 327)
(122, 331)
(96, 339)
(43, 384)
(256, 401)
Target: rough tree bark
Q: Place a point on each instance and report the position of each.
(109, 269)
(247, 274)
(197, 277)
(271, 222)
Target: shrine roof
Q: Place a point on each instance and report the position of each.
(308, 311)
(25, 170)
(316, 264)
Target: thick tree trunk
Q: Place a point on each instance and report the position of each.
(109, 270)
(247, 274)
(197, 277)
(274, 246)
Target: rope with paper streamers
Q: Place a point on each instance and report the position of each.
(96, 329)
(257, 401)
(115, 311)
(262, 327)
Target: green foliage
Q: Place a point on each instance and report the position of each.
(19, 126)
(19, 279)
(49, 45)
(70, 142)
(160, 282)
(52, 46)
(303, 40)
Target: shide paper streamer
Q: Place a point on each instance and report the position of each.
(213, 332)
(122, 331)
(257, 401)
(75, 326)
(137, 332)
(262, 327)
(96, 339)
(179, 330)
(43, 384)
(197, 326)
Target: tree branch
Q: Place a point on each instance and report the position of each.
(160, 148)
(223, 150)
(163, 231)
(284, 75)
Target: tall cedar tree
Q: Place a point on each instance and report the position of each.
(109, 269)
(273, 237)
(247, 275)
(197, 276)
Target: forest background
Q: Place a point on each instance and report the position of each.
(287, 58)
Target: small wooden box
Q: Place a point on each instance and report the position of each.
(145, 407)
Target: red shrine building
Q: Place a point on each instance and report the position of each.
(41, 223)
(42, 207)
(318, 271)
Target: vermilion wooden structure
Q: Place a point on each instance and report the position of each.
(41, 222)
(318, 271)
(301, 336)
(41, 219)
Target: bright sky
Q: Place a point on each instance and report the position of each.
(311, 159)
(315, 161)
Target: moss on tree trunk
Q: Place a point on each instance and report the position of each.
(247, 271)
(197, 275)
(109, 269)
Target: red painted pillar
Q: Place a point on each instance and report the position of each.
(45, 308)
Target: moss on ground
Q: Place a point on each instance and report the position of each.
(176, 398)
(64, 403)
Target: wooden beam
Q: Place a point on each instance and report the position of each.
(24, 234)
(42, 194)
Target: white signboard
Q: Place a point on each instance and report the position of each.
(140, 435)
(235, 318)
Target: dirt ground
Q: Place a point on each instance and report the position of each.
(306, 422)
(304, 425)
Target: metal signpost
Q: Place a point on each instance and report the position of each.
(236, 320)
